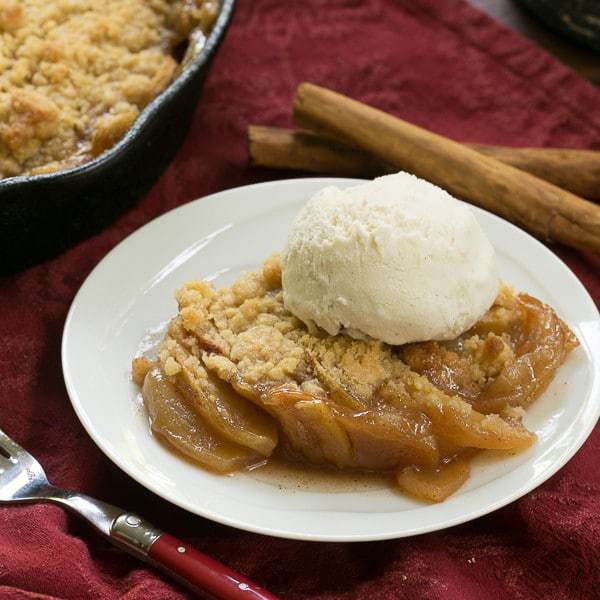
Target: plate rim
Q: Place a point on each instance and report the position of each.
(582, 434)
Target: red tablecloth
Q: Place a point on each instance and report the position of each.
(441, 64)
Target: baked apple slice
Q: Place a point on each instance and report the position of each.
(228, 413)
(173, 420)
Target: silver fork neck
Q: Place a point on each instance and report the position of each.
(124, 528)
(100, 514)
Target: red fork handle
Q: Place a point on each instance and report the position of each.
(203, 572)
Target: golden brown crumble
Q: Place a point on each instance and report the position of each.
(139, 369)
(74, 74)
(419, 410)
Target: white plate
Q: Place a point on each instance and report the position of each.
(131, 291)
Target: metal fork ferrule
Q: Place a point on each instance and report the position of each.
(134, 532)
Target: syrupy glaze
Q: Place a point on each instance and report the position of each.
(289, 474)
(175, 424)
(285, 474)
(251, 381)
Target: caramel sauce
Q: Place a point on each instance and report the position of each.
(285, 474)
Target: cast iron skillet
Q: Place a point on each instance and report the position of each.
(41, 215)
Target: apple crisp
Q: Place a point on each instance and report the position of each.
(75, 74)
(237, 375)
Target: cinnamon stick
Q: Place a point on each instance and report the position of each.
(308, 151)
(546, 210)
(575, 170)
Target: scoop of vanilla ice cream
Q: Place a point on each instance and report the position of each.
(396, 259)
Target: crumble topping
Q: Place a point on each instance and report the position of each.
(75, 74)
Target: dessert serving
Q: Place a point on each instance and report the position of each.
(75, 75)
(381, 340)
